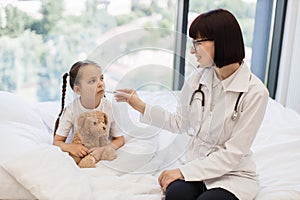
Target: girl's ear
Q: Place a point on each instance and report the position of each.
(77, 89)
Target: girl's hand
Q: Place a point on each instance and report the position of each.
(77, 150)
(168, 176)
(130, 96)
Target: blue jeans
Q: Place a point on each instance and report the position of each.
(181, 190)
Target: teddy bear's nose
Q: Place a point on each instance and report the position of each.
(104, 128)
(95, 123)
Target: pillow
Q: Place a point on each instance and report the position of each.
(49, 111)
(18, 138)
(48, 173)
(16, 109)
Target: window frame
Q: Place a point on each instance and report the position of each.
(180, 43)
(276, 46)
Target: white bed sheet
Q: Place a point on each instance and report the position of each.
(28, 164)
(277, 153)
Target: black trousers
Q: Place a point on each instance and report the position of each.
(181, 190)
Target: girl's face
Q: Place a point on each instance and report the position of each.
(91, 85)
(204, 51)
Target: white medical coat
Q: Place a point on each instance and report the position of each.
(219, 153)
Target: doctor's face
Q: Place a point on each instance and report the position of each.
(204, 50)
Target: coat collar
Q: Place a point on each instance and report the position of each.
(237, 82)
(206, 76)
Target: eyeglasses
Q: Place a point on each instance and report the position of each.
(195, 42)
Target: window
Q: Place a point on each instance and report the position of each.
(132, 40)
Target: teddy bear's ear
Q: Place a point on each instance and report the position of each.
(80, 120)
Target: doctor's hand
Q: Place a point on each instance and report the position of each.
(168, 176)
(130, 96)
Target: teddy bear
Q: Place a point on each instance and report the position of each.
(91, 132)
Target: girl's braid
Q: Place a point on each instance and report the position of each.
(64, 86)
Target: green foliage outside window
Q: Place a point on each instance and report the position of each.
(35, 52)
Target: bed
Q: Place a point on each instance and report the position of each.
(32, 168)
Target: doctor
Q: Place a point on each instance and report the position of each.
(222, 107)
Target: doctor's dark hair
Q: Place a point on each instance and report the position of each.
(223, 28)
(74, 78)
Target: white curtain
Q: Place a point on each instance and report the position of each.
(288, 86)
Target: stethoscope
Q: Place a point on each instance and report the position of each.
(235, 115)
(205, 143)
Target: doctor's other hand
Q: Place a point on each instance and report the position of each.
(130, 96)
(169, 176)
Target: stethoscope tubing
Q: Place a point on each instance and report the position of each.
(202, 94)
(235, 113)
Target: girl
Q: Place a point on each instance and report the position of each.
(86, 80)
(222, 106)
